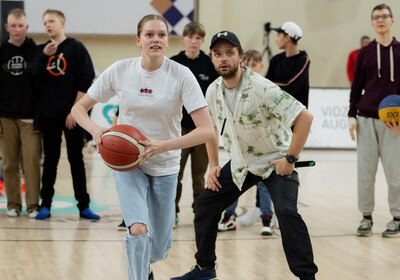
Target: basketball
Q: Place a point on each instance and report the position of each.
(120, 147)
(389, 108)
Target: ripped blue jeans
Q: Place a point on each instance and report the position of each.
(149, 200)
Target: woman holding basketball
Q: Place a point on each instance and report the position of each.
(151, 90)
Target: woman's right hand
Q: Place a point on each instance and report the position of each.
(97, 133)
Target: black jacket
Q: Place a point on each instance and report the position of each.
(204, 71)
(291, 74)
(61, 76)
(18, 98)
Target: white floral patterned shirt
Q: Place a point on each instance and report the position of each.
(259, 129)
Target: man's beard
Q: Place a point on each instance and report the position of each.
(230, 74)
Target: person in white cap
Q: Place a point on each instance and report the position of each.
(289, 69)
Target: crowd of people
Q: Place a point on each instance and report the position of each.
(196, 100)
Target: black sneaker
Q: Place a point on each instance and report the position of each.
(121, 226)
(365, 228)
(199, 274)
(393, 229)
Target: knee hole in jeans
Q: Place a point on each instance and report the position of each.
(138, 229)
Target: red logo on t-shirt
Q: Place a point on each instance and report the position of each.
(146, 92)
(57, 65)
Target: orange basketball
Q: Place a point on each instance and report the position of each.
(120, 147)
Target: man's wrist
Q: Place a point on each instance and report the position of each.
(352, 121)
(291, 158)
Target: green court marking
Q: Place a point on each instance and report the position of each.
(62, 205)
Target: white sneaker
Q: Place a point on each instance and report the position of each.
(227, 223)
(13, 213)
(33, 214)
(267, 227)
(275, 222)
(266, 230)
(250, 218)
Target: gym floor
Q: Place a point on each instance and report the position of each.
(66, 247)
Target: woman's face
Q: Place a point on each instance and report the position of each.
(153, 38)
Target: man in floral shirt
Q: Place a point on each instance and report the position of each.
(254, 117)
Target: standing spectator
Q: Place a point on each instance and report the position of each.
(202, 68)
(64, 71)
(18, 108)
(289, 69)
(254, 116)
(351, 61)
(377, 75)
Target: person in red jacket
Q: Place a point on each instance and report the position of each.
(351, 61)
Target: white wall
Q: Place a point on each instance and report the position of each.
(89, 16)
(331, 28)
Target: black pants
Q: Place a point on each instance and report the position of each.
(52, 132)
(199, 159)
(284, 190)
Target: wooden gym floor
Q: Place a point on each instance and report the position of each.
(65, 247)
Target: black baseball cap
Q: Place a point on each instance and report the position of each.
(225, 35)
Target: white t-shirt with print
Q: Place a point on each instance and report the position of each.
(151, 102)
(258, 130)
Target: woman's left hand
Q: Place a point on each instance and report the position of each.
(152, 147)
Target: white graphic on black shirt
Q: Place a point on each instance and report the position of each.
(57, 65)
(204, 77)
(16, 65)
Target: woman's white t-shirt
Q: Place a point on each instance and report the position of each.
(151, 102)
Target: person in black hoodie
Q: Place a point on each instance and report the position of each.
(18, 106)
(289, 69)
(201, 66)
(64, 71)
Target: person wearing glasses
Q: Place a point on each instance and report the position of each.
(377, 75)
